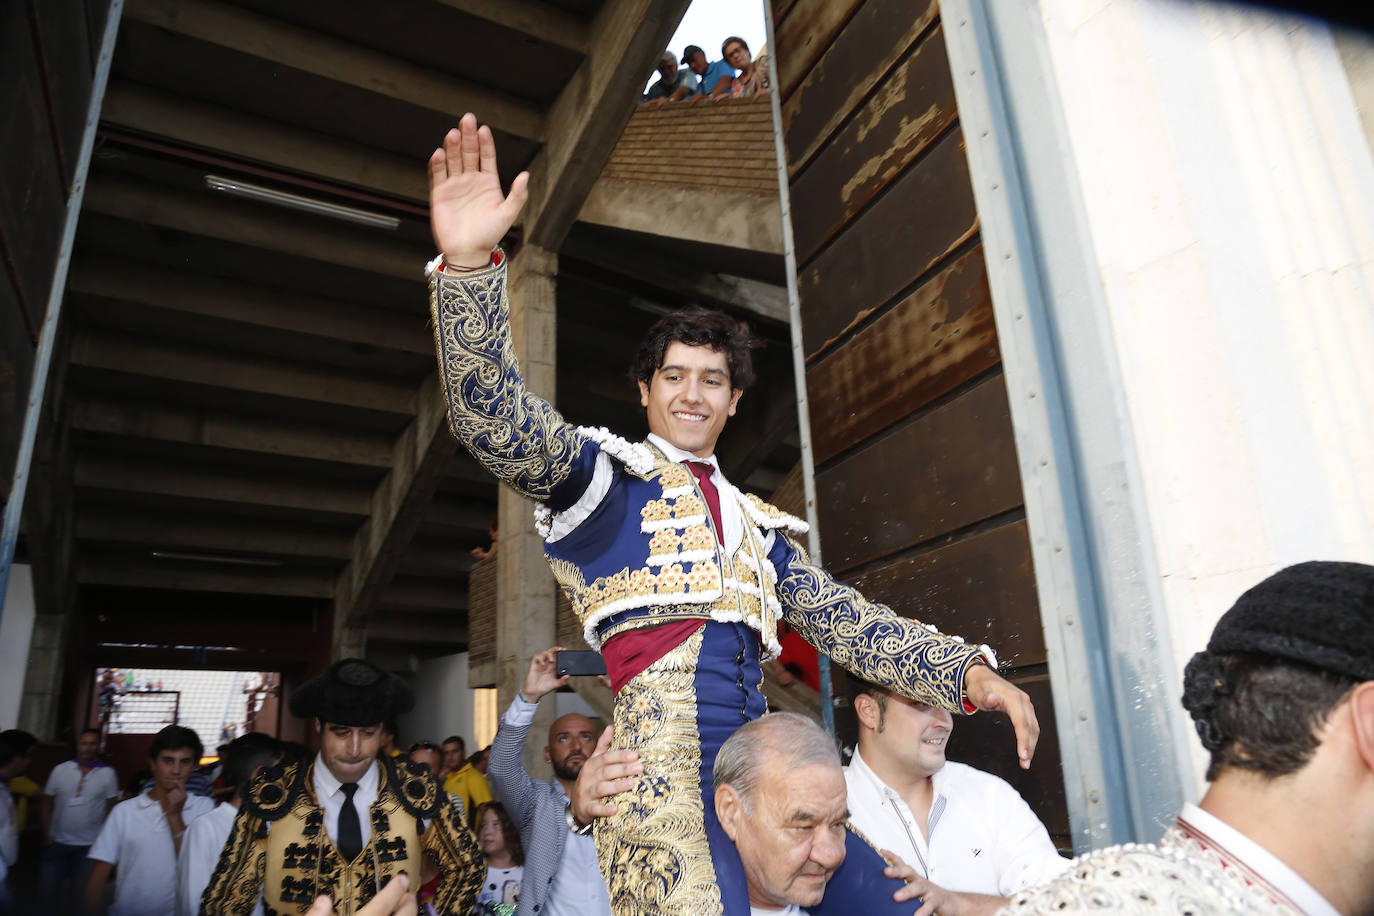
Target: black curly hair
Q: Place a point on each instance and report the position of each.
(1258, 712)
(698, 327)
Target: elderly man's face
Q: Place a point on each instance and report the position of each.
(791, 836)
(667, 68)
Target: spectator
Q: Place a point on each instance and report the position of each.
(500, 843)
(753, 78)
(243, 758)
(480, 760)
(143, 835)
(493, 532)
(78, 797)
(16, 749)
(1283, 699)
(426, 753)
(672, 85)
(969, 828)
(714, 77)
(561, 874)
(465, 784)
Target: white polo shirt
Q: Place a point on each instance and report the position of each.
(137, 839)
(200, 851)
(78, 801)
(984, 838)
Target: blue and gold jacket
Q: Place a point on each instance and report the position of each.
(645, 553)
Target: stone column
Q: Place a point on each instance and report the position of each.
(525, 588)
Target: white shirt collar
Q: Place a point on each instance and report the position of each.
(858, 764)
(673, 453)
(326, 783)
(1259, 860)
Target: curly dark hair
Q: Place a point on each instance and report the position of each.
(1257, 712)
(699, 327)
(512, 836)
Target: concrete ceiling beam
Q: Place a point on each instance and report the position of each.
(281, 43)
(180, 531)
(544, 21)
(173, 574)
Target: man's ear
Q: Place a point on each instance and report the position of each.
(1362, 713)
(734, 400)
(729, 810)
(319, 726)
(643, 393)
(548, 758)
(866, 709)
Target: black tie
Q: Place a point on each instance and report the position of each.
(350, 831)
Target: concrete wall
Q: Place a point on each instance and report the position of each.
(443, 702)
(16, 631)
(1228, 196)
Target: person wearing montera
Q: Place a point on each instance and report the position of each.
(350, 819)
(970, 836)
(713, 78)
(79, 795)
(243, 758)
(1283, 699)
(505, 856)
(143, 836)
(677, 577)
(561, 874)
(753, 79)
(673, 84)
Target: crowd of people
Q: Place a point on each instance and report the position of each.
(737, 74)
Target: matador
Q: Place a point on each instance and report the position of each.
(346, 822)
(675, 575)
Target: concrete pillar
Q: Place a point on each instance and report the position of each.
(40, 710)
(16, 630)
(525, 588)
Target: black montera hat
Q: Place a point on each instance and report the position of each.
(1319, 613)
(353, 692)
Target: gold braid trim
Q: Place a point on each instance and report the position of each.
(653, 851)
(234, 887)
(872, 642)
(450, 844)
(517, 436)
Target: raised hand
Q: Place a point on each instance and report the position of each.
(986, 689)
(606, 773)
(467, 211)
(542, 677)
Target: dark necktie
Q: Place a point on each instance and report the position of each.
(350, 830)
(702, 471)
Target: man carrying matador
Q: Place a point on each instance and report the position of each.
(676, 576)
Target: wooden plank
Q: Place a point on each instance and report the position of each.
(32, 203)
(886, 249)
(937, 338)
(895, 126)
(946, 470)
(981, 588)
(780, 10)
(875, 39)
(61, 27)
(278, 42)
(806, 34)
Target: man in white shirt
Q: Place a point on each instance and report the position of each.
(971, 838)
(144, 834)
(244, 758)
(78, 797)
(1283, 698)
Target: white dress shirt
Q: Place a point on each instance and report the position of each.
(330, 794)
(984, 838)
(1259, 860)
